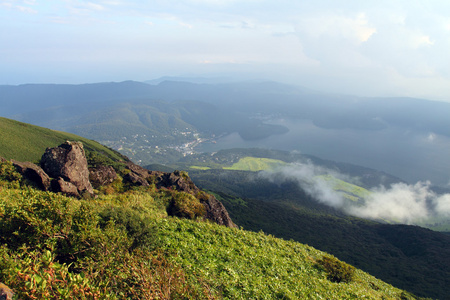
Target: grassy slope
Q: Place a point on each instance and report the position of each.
(25, 142)
(255, 164)
(222, 262)
(347, 190)
(248, 265)
(285, 211)
(364, 244)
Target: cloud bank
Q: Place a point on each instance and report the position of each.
(401, 202)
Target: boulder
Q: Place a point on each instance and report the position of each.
(102, 175)
(68, 161)
(33, 173)
(138, 170)
(135, 179)
(216, 212)
(59, 185)
(177, 180)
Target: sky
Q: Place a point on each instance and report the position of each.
(367, 48)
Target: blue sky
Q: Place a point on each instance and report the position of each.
(373, 48)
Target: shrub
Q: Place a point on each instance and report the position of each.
(337, 271)
(9, 174)
(138, 229)
(185, 205)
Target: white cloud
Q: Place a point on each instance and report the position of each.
(443, 205)
(22, 6)
(401, 202)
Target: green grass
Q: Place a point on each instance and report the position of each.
(199, 168)
(248, 265)
(25, 142)
(255, 164)
(124, 246)
(347, 190)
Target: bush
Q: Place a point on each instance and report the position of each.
(9, 174)
(139, 230)
(337, 271)
(185, 205)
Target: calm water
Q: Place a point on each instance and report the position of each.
(409, 155)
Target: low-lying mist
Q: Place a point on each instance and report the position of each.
(399, 202)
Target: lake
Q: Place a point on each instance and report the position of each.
(407, 154)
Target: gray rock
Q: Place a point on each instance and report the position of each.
(216, 212)
(61, 186)
(135, 179)
(33, 173)
(68, 161)
(102, 175)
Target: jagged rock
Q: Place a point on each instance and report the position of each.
(68, 161)
(135, 179)
(33, 173)
(102, 175)
(177, 180)
(180, 181)
(61, 186)
(216, 212)
(138, 170)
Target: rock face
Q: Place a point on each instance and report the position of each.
(68, 161)
(216, 212)
(102, 175)
(59, 185)
(33, 173)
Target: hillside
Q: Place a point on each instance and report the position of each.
(406, 256)
(143, 254)
(123, 244)
(25, 142)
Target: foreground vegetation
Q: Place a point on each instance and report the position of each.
(122, 245)
(409, 257)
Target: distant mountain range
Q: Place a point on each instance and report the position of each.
(396, 135)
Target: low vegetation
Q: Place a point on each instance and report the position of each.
(123, 245)
(255, 164)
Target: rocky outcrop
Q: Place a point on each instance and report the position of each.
(177, 180)
(102, 175)
(180, 181)
(59, 185)
(216, 212)
(67, 165)
(33, 173)
(68, 161)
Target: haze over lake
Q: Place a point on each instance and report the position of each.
(394, 150)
